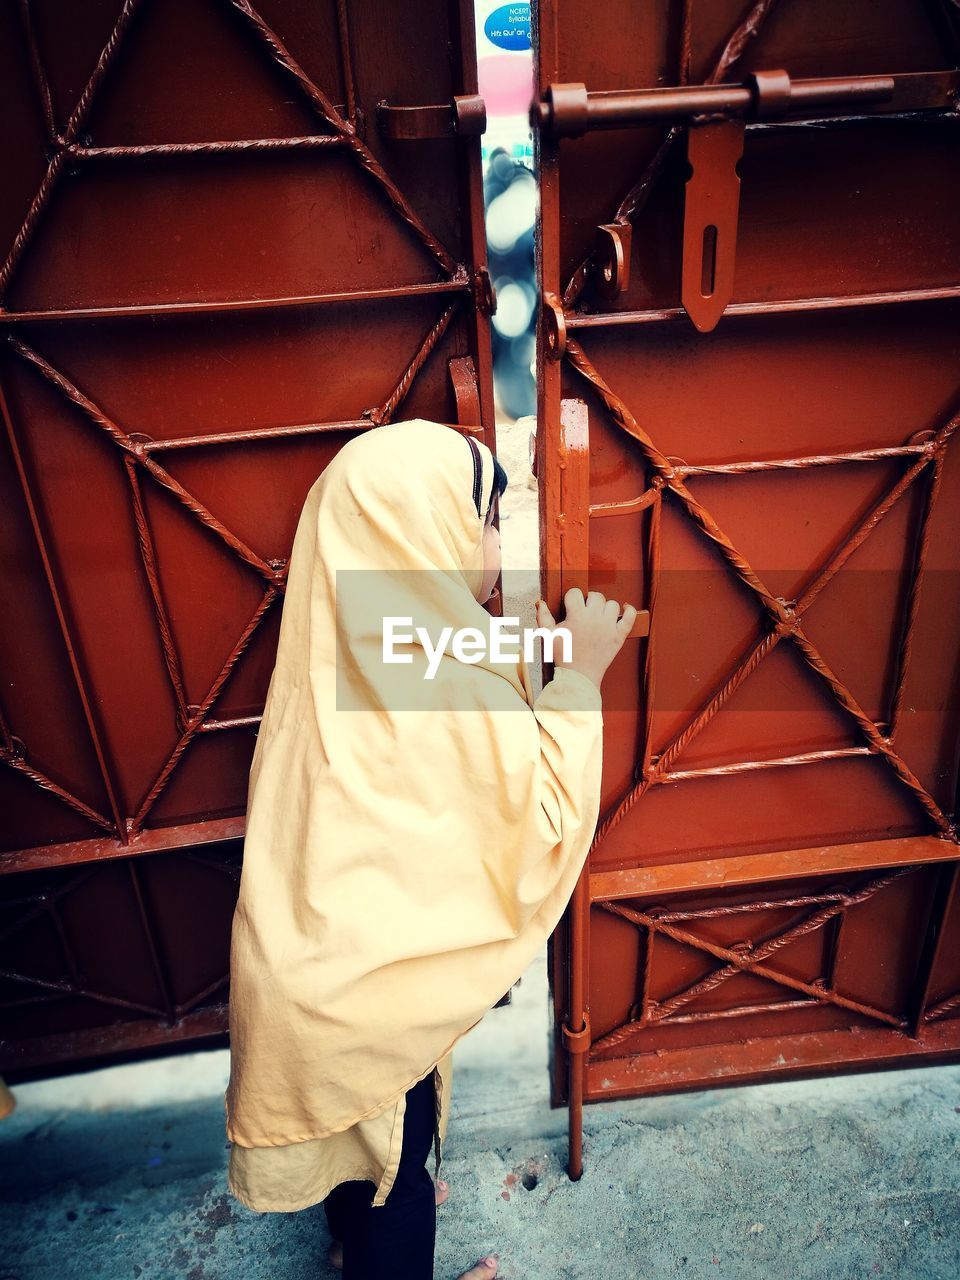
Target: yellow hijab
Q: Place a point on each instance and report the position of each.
(404, 860)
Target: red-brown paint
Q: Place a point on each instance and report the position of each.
(771, 890)
(215, 268)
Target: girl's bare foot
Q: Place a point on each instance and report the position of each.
(442, 1190)
(485, 1269)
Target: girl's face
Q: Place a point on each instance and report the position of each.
(491, 553)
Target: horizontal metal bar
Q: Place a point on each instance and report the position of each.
(570, 110)
(71, 990)
(38, 1056)
(756, 868)
(629, 506)
(239, 722)
(656, 315)
(155, 840)
(745, 908)
(253, 434)
(748, 766)
(465, 116)
(807, 460)
(742, 1011)
(764, 98)
(456, 285)
(916, 95)
(781, 1057)
(242, 146)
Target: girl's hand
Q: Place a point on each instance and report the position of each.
(597, 630)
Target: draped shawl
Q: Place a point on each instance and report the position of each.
(406, 854)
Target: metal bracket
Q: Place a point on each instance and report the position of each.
(773, 94)
(465, 117)
(612, 259)
(577, 1041)
(466, 390)
(574, 518)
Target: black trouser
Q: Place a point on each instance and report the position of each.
(396, 1238)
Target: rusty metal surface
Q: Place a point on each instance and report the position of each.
(759, 449)
(214, 268)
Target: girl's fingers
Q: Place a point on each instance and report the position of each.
(544, 617)
(625, 624)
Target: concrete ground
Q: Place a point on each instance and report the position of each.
(122, 1173)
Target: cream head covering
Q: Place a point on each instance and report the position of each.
(404, 859)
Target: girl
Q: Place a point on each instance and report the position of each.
(410, 842)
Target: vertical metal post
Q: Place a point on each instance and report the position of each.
(574, 460)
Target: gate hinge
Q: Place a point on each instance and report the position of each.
(484, 294)
(464, 117)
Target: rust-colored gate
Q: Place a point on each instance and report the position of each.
(750, 260)
(231, 237)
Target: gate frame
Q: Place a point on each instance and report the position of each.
(562, 469)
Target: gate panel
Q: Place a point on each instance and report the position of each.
(231, 239)
(748, 390)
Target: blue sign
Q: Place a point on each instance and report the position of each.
(509, 26)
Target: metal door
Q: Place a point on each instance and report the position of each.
(233, 237)
(748, 398)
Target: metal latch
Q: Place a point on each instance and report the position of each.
(711, 212)
(717, 117)
(465, 117)
(569, 111)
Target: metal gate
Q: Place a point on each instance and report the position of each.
(233, 236)
(748, 396)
